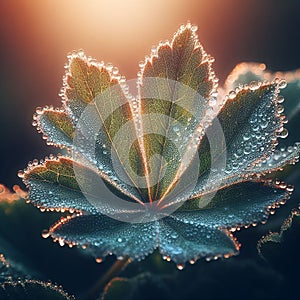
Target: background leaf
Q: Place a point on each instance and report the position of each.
(31, 289)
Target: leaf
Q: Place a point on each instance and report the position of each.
(255, 277)
(246, 73)
(95, 107)
(180, 75)
(57, 126)
(105, 235)
(32, 289)
(251, 124)
(15, 269)
(53, 185)
(144, 285)
(134, 160)
(118, 288)
(280, 248)
(237, 205)
(180, 241)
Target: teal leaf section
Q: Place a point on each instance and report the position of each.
(181, 241)
(251, 123)
(104, 235)
(245, 73)
(222, 200)
(239, 204)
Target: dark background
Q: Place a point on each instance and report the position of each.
(35, 39)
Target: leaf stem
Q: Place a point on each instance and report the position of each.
(112, 272)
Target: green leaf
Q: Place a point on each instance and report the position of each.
(54, 185)
(56, 126)
(176, 83)
(251, 124)
(145, 148)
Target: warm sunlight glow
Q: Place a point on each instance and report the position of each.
(117, 31)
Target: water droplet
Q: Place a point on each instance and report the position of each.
(109, 66)
(21, 174)
(119, 240)
(99, 260)
(246, 136)
(232, 95)
(280, 99)
(283, 185)
(115, 71)
(264, 124)
(284, 133)
(280, 109)
(39, 110)
(174, 235)
(254, 85)
(282, 84)
(61, 242)
(210, 59)
(45, 234)
(247, 150)
(194, 28)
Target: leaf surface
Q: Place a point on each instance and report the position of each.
(176, 84)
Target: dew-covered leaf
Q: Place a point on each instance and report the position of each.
(279, 248)
(237, 205)
(105, 235)
(54, 185)
(182, 242)
(145, 148)
(56, 126)
(176, 84)
(245, 73)
(32, 289)
(176, 239)
(96, 106)
(251, 123)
